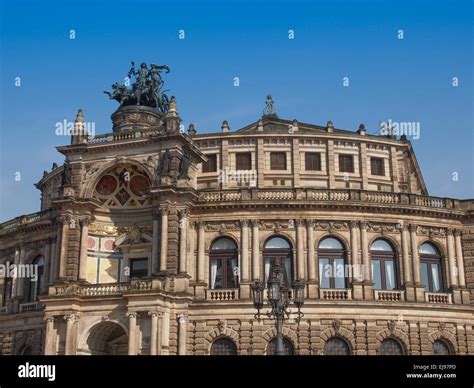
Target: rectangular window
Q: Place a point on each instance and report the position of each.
(138, 268)
(376, 275)
(424, 276)
(211, 164)
(278, 160)
(324, 273)
(389, 275)
(346, 163)
(339, 273)
(377, 166)
(312, 161)
(243, 161)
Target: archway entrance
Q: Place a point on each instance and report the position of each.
(107, 338)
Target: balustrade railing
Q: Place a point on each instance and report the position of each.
(228, 294)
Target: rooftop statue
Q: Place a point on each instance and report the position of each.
(270, 109)
(147, 90)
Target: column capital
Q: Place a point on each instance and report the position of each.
(164, 210)
(244, 223)
(353, 224)
(310, 223)
(182, 318)
(183, 213)
(450, 231)
(71, 318)
(49, 319)
(155, 314)
(64, 218)
(412, 228)
(299, 222)
(86, 220)
(364, 224)
(254, 223)
(201, 224)
(132, 314)
(457, 232)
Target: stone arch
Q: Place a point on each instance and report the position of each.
(31, 256)
(393, 242)
(337, 236)
(343, 333)
(445, 336)
(284, 235)
(88, 190)
(287, 333)
(96, 336)
(224, 332)
(437, 245)
(216, 236)
(396, 334)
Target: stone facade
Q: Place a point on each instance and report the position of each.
(140, 199)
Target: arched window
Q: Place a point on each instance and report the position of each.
(36, 283)
(336, 346)
(332, 259)
(278, 249)
(390, 347)
(223, 347)
(430, 267)
(384, 273)
(224, 272)
(441, 348)
(287, 347)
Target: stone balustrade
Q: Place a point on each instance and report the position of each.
(111, 289)
(323, 195)
(31, 306)
(438, 297)
(389, 295)
(222, 294)
(336, 294)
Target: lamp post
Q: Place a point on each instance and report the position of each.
(279, 298)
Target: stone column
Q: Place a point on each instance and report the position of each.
(460, 259)
(165, 333)
(191, 259)
(164, 239)
(153, 333)
(50, 336)
(65, 219)
(414, 255)
(47, 265)
(364, 245)
(201, 251)
(20, 281)
(300, 249)
(182, 334)
(183, 228)
(405, 255)
(357, 288)
(311, 258)
(366, 262)
(244, 253)
(419, 290)
(153, 265)
(132, 334)
(84, 243)
(255, 251)
(451, 259)
(70, 337)
(52, 264)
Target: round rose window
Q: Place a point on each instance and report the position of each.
(106, 185)
(139, 185)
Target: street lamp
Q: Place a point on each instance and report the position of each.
(278, 295)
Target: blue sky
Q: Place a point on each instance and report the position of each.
(389, 78)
